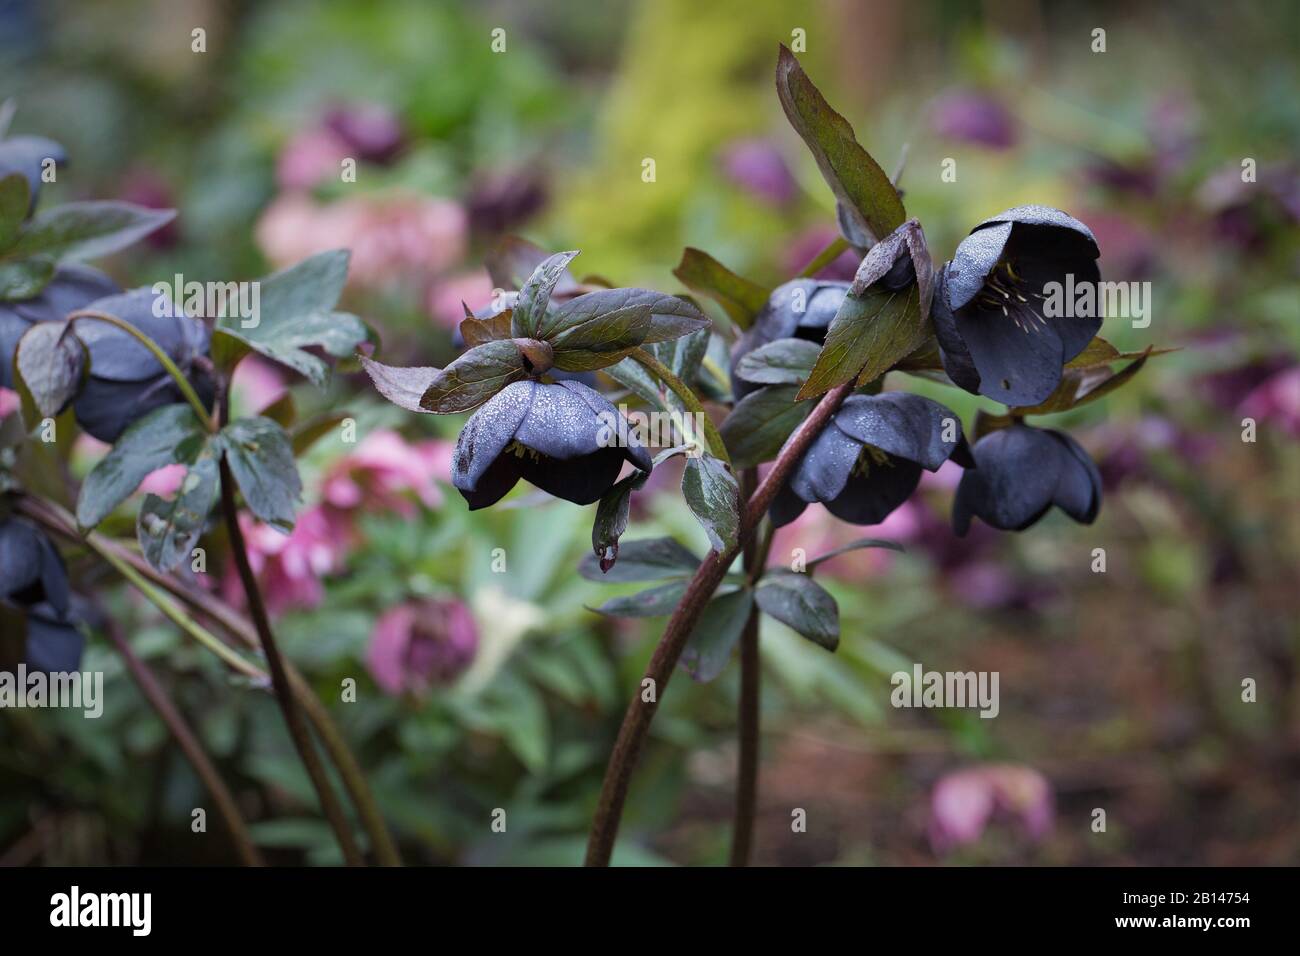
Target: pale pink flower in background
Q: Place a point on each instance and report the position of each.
(448, 297)
(309, 158)
(1277, 401)
(420, 645)
(965, 802)
(8, 401)
(385, 470)
(163, 481)
(255, 385)
(392, 237)
(817, 531)
(290, 566)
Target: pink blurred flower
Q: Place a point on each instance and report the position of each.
(384, 471)
(163, 481)
(817, 531)
(290, 566)
(144, 187)
(808, 244)
(1276, 400)
(421, 644)
(256, 384)
(392, 238)
(309, 158)
(758, 166)
(370, 131)
(448, 297)
(965, 802)
(971, 116)
(8, 401)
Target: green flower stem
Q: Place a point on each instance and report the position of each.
(189, 743)
(639, 714)
(688, 397)
(284, 695)
(217, 612)
(824, 258)
(163, 358)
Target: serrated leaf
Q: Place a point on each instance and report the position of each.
(473, 378)
(260, 455)
(867, 198)
(646, 559)
(50, 364)
(296, 311)
(761, 422)
(167, 530)
(713, 495)
(801, 604)
(670, 316)
(481, 331)
(867, 336)
(783, 362)
(169, 435)
(403, 387)
(708, 649)
(740, 298)
(535, 295)
(514, 259)
(86, 230)
(604, 339)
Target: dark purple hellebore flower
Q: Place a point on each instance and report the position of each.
(422, 644)
(26, 155)
(33, 579)
(126, 382)
(371, 132)
(562, 437)
(801, 309)
(868, 460)
(73, 287)
(1020, 473)
(990, 306)
(757, 166)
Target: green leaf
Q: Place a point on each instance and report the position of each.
(86, 230)
(168, 530)
(682, 357)
(473, 378)
(25, 278)
(403, 387)
(308, 433)
(853, 546)
(866, 196)
(535, 295)
(653, 602)
(604, 339)
(169, 435)
(15, 199)
(514, 259)
(50, 363)
(633, 376)
(802, 604)
(670, 316)
(867, 336)
(713, 495)
(783, 362)
(296, 311)
(761, 422)
(260, 455)
(740, 298)
(708, 649)
(612, 513)
(646, 559)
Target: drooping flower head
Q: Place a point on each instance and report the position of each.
(801, 309)
(991, 311)
(34, 580)
(1020, 473)
(73, 287)
(868, 459)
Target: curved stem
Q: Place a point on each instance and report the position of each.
(216, 611)
(284, 695)
(189, 743)
(824, 258)
(639, 714)
(688, 397)
(163, 358)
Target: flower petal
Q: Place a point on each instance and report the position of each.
(902, 424)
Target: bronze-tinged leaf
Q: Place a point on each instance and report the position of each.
(474, 378)
(740, 298)
(403, 387)
(1079, 386)
(867, 336)
(866, 196)
(481, 331)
